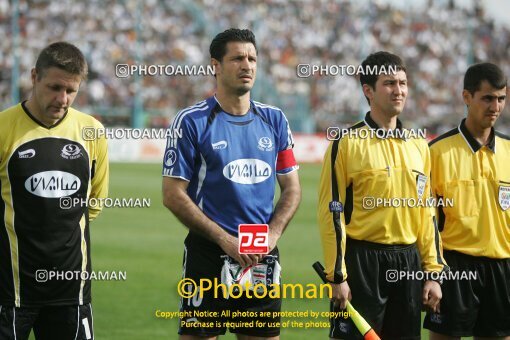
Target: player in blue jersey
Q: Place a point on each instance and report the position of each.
(220, 171)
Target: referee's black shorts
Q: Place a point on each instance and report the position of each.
(392, 307)
(479, 307)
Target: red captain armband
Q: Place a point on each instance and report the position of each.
(285, 161)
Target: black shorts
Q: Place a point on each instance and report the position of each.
(393, 309)
(48, 323)
(204, 259)
(478, 307)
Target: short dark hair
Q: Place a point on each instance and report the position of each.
(64, 56)
(218, 47)
(376, 61)
(477, 73)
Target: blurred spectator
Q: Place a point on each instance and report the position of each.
(436, 42)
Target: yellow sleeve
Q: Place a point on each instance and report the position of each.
(436, 187)
(330, 212)
(100, 176)
(429, 238)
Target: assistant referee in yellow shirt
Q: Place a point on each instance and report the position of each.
(471, 165)
(372, 244)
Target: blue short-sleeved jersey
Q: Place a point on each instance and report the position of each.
(229, 161)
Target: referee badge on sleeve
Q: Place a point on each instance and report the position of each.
(421, 180)
(504, 197)
(335, 206)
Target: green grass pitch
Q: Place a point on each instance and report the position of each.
(147, 243)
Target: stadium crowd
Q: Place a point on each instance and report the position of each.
(437, 41)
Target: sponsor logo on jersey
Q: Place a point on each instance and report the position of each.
(266, 144)
(247, 171)
(222, 144)
(170, 157)
(504, 197)
(26, 154)
(53, 184)
(71, 151)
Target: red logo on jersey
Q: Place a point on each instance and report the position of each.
(253, 238)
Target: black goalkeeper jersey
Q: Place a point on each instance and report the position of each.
(41, 170)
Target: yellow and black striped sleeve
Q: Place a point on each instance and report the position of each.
(436, 190)
(99, 175)
(429, 239)
(332, 195)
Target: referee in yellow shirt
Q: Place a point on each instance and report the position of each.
(366, 246)
(471, 165)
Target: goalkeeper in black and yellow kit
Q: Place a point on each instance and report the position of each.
(45, 165)
(470, 165)
(367, 247)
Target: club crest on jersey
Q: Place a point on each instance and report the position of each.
(170, 157)
(71, 151)
(420, 185)
(266, 144)
(504, 197)
(26, 154)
